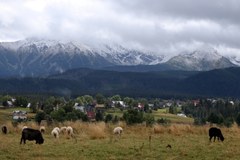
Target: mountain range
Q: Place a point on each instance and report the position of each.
(34, 66)
(38, 58)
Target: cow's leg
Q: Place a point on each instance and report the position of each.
(24, 141)
(210, 138)
(214, 138)
(21, 141)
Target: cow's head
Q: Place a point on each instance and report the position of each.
(40, 140)
(222, 138)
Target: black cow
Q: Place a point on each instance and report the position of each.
(4, 129)
(31, 134)
(215, 132)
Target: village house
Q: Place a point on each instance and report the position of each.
(118, 104)
(19, 115)
(90, 110)
(100, 107)
(79, 107)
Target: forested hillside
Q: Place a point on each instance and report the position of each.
(222, 82)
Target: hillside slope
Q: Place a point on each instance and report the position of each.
(221, 82)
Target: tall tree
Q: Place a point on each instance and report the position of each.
(116, 98)
(100, 98)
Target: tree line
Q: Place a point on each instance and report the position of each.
(221, 112)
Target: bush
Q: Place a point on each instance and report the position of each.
(39, 117)
(238, 119)
(58, 115)
(215, 118)
(81, 115)
(199, 121)
(133, 116)
(48, 119)
(85, 118)
(108, 118)
(99, 116)
(71, 116)
(163, 121)
(149, 119)
(228, 122)
(173, 110)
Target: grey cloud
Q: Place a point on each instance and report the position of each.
(158, 25)
(187, 9)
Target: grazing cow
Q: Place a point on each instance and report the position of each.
(31, 134)
(24, 127)
(215, 132)
(4, 129)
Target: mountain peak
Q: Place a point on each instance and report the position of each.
(208, 54)
(202, 59)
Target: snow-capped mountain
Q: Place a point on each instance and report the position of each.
(38, 57)
(119, 55)
(203, 59)
(34, 57)
(234, 59)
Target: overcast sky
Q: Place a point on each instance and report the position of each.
(163, 26)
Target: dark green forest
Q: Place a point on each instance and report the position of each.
(215, 83)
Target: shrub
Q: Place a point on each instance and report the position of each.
(48, 119)
(238, 119)
(149, 119)
(199, 121)
(71, 116)
(163, 121)
(228, 122)
(215, 118)
(108, 118)
(173, 110)
(99, 116)
(81, 115)
(58, 115)
(133, 116)
(85, 118)
(39, 117)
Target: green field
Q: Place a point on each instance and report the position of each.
(6, 114)
(160, 113)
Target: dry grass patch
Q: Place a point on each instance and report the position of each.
(158, 129)
(95, 130)
(180, 129)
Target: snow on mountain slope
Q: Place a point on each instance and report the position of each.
(34, 57)
(234, 59)
(123, 56)
(43, 57)
(200, 60)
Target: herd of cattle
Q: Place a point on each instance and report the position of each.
(34, 134)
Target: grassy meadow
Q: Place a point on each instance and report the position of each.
(95, 141)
